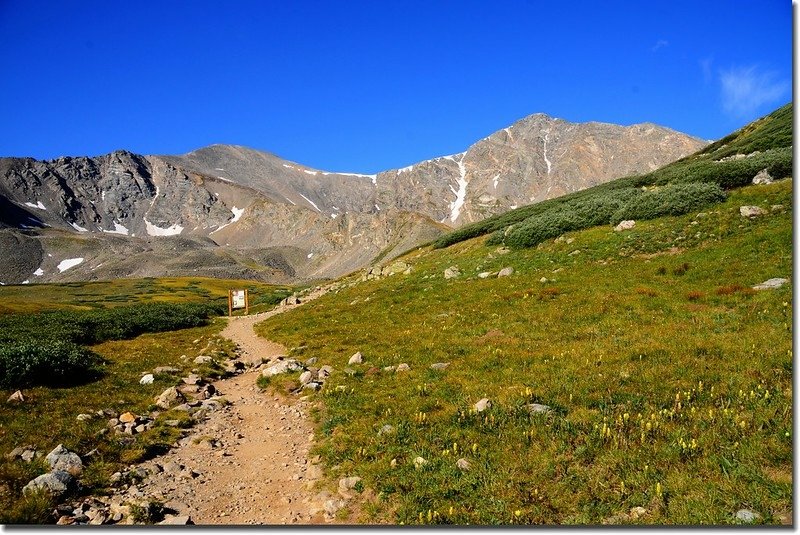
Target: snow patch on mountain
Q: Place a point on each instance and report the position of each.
(38, 205)
(68, 263)
(153, 230)
(310, 201)
(118, 229)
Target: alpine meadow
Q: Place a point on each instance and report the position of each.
(617, 352)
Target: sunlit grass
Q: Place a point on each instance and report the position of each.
(669, 379)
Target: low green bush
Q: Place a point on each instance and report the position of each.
(46, 363)
(674, 199)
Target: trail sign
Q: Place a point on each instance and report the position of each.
(238, 299)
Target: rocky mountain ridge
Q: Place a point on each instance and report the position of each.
(231, 211)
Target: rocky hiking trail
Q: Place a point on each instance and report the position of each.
(247, 463)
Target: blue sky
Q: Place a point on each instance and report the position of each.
(367, 86)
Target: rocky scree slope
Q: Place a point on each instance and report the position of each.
(230, 211)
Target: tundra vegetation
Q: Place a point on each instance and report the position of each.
(82, 347)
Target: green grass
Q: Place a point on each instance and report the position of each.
(670, 380)
(107, 294)
(97, 316)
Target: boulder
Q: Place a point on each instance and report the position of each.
(358, 358)
(127, 417)
(505, 272)
(16, 397)
(57, 483)
(762, 177)
(770, 284)
(192, 379)
(169, 397)
(747, 516)
(147, 379)
(282, 366)
(751, 212)
(325, 372)
(538, 408)
(628, 224)
(482, 405)
(452, 272)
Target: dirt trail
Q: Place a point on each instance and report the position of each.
(247, 463)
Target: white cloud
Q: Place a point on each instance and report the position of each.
(746, 89)
(661, 43)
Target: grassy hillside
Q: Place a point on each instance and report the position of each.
(669, 378)
(728, 163)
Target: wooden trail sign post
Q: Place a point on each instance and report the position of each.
(238, 299)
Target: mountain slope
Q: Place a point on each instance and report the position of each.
(235, 212)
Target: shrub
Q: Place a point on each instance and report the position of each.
(46, 362)
(674, 199)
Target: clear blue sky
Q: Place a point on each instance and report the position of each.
(367, 86)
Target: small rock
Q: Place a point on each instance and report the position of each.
(306, 377)
(127, 417)
(147, 379)
(84, 417)
(505, 272)
(483, 404)
(770, 284)
(346, 484)
(311, 386)
(538, 408)
(64, 460)
(452, 272)
(439, 365)
(462, 464)
(173, 520)
(57, 483)
(762, 177)
(573, 253)
(386, 430)
(203, 359)
(169, 397)
(751, 211)
(325, 372)
(419, 462)
(543, 280)
(332, 506)
(747, 516)
(16, 397)
(637, 512)
(776, 208)
(628, 224)
(502, 250)
(192, 379)
(358, 358)
(311, 361)
(283, 366)
(389, 368)
(402, 367)
(484, 275)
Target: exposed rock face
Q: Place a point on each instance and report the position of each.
(230, 211)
